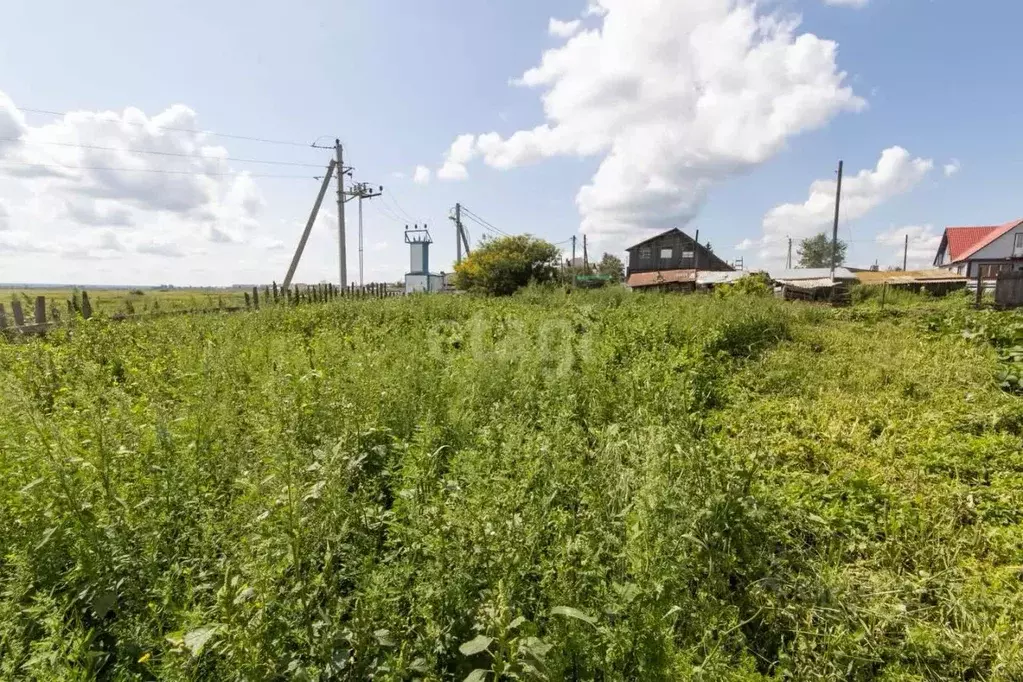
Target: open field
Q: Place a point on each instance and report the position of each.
(553, 486)
(133, 300)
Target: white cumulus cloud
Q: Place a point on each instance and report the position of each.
(563, 29)
(923, 245)
(421, 176)
(951, 168)
(897, 172)
(461, 152)
(674, 97)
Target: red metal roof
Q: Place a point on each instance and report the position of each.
(660, 277)
(963, 242)
(961, 239)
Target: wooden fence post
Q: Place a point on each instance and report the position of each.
(275, 291)
(248, 303)
(19, 314)
(980, 288)
(255, 297)
(40, 309)
(86, 305)
(266, 294)
(3, 317)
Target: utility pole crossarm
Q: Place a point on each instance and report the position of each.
(309, 225)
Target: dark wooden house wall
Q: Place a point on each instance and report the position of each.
(679, 243)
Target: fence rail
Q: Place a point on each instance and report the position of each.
(80, 307)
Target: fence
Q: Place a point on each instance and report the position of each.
(45, 318)
(1009, 289)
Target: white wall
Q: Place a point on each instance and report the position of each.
(999, 248)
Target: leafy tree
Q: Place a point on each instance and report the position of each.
(503, 265)
(611, 265)
(815, 252)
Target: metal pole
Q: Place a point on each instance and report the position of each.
(905, 254)
(834, 233)
(342, 253)
(309, 225)
(360, 240)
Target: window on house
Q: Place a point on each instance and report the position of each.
(644, 253)
(665, 254)
(1018, 246)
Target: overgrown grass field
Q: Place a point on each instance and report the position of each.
(597, 486)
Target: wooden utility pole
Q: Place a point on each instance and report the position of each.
(905, 253)
(834, 232)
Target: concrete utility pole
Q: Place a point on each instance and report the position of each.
(834, 233)
(573, 251)
(458, 234)
(309, 225)
(586, 258)
(788, 260)
(905, 253)
(342, 252)
(363, 191)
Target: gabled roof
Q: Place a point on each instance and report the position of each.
(963, 242)
(657, 236)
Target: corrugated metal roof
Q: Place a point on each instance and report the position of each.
(720, 277)
(818, 283)
(660, 277)
(909, 277)
(802, 274)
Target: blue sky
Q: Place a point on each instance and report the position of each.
(399, 81)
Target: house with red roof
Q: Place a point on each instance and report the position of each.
(982, 251)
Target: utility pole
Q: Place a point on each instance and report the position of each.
(363, 191)
(586, 258)
(458, 234)
(573, 252)
(342, 252)
(308, 226)
(788, 260)
(905, 253)
(834, 233)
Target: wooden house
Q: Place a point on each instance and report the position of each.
(670, 261)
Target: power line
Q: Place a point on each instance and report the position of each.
(160, 153)
(483, 223)
(149, 170)
(179, 130)
(394, 200)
